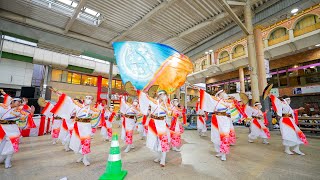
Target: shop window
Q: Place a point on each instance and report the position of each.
(113, 85)
(238, 51)
(312, 74)
(232, 87)
(247, 84)
(118, 84)
(64, 76)
(278, 36)
(273, 80)
(76, 78)
(306, 24)
(224, 57)
(283, 77)
(56, 75)
(105, 82)
(88, 80)
(69, 77)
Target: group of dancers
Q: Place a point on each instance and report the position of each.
(75, 122)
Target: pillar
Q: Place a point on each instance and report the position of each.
(99, 87)
(208, 60)
(241, 78)
(260, 60)
(291, 35)
(262, 77)
(251, 53)
(110, 83)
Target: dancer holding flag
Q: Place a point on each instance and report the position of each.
(130, 112)
(201, 120)
(158, 137)
(291, 134)
(10, 113)
(153, 66)
(84, 113)
(221, 129)
(106, 128)
(257, 124)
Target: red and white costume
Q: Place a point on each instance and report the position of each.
(106, 127)
(222, 131)
(201, 120)
(130, 113)
(176, 127)
(9, 131)
(81, 134)
(290, 132)
(158, 137)
(46, 111)
(257, 124)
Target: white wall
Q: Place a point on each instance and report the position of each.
(14, 74)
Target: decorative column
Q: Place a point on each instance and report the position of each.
(241, 77)
(260, 60)
(251, 53)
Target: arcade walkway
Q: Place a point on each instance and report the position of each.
(39, 159)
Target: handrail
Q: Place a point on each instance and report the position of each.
(236, 55)
(278, 40)
(299, 32)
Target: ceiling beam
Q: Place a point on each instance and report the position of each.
(226, 6)
(75, 14)
(200, 25)
(236, 3)
(161, 7)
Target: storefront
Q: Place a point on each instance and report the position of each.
(77, 84)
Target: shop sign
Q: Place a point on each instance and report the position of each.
(267, 67)
(306, 90)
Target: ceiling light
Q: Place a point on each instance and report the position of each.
(207, 76)
(206, 52)
(317, 45)
(211, 50)
(295, 10)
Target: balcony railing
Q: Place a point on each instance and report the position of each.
(278, 40)
(224, 59)
(238, 54)
(299, 32)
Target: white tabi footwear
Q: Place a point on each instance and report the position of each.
(219, 155)
(7, 163)
(127, 149)
(264, 141)
(223, 157)
(250, 141)
(80, 159)
(297, 150)
(176, 149)
(85, 160)
(287, 150)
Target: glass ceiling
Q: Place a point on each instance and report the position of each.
(67, 7)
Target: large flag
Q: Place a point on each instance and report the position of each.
(147, 64)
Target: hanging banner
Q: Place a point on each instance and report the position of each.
(267, 67)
